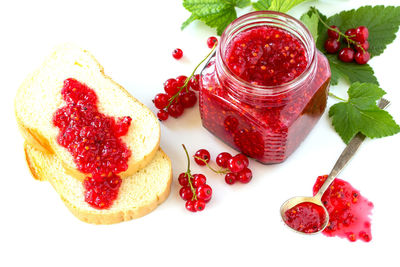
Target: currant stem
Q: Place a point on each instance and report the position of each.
(223, 171)
(338, 32)
(335, 96)
(189, 174)
(172, 99)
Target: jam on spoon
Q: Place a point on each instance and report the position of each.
(309, 215)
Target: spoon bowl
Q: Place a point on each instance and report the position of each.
(294, 201)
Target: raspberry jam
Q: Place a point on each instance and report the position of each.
(306, 217)
(93, 139)
(266, 86)
(348, 210)
(266, 56)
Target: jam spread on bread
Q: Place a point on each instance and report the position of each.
(93, 139)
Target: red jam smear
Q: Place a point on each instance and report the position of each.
(266, 56)
(267, 133)
(348, 211)
(93, 139)
(100, 192)
(306, 217)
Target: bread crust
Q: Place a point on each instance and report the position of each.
(93, 216)
(38, 141)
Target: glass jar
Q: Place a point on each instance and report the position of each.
(266, 123)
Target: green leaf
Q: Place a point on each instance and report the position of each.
(262, 5)
(351, 72)
(361, 114)
(284, 5)
(215, 13)
(242, 3)
(382, 23)
(276, 5)
(312, 22)
(188, 21)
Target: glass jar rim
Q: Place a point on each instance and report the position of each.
(262, 90)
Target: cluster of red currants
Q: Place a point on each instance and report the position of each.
(195, 190)
(357, 44)
(179, 94)
(235, 168)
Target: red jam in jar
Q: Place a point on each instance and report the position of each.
(266, 86)
(306, 217)
(93, 139)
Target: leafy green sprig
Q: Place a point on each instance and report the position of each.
(382, 23)
(219, 14)
(360, 113)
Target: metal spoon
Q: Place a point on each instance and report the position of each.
(344, 158)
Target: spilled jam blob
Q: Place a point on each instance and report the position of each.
(348, 210)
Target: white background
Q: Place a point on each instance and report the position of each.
(241, 226)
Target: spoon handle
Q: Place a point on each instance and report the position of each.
(346, 155)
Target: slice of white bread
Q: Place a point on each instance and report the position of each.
(40, 96)
(138, 195)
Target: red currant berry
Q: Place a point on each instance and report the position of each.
(351, 33)
(186, 193)
(188, 99)
(190, 205)
(230, 178)
(362, 57)
(199, 205)
(198, 179)
(204, 192)
(177, 53)
(333, 34)
(194, 82)
(364, 45)
(183, 179)
(332, 46)
(181, 80)
(211, 41)
(162, 115)
(245, 176)
(346, 54)
(161, 100)
(361, 34)
(222, 159)
(243, 158)
(364, 236)
(236, 164)
(175, 110)
(203, 154)
(171, 87)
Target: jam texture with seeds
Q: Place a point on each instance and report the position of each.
(266, 56)
(93, 139)
(266, 127)
(306, 217)
(348, 210)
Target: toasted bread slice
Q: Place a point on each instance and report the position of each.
(40, 96)
(138, 195)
